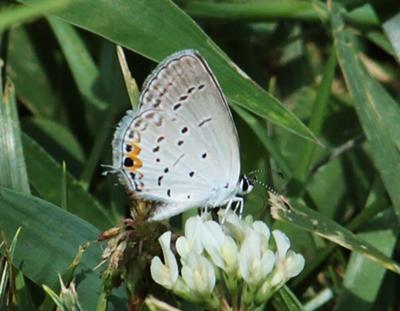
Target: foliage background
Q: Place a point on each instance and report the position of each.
(322, 126)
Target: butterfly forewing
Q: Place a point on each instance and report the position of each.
(185, 85)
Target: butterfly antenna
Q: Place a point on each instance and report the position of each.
(254, 172)
(266, 186)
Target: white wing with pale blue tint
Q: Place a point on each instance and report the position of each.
(184, 84)
(181, 146)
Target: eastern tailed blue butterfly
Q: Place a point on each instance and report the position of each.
(180, 147)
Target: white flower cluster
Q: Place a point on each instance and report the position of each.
(237, 256)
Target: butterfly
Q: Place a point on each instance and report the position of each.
(180, 147)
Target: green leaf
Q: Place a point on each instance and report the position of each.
(262, 134)
(49, 240)
(392, 31)
(299, 215)
(46, 177)
(377, 110)
(317, 117)
(22, 14)
(59, 141)
(82, 66)
(12, 163)
(310, 11)
(140, 26)
(254, 10)
(363, 278)
(285, 300)
(31, 79)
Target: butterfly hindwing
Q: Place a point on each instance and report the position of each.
(160, 161)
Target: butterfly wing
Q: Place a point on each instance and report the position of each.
(157, 160)
(184, 84)
(181, 146)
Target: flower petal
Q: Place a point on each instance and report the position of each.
(165, 274)
(199, 274)
(295, 264)
(282, 243)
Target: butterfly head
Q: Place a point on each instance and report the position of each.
(245, 185)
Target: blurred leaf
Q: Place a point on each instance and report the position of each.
(23, 292)
(59, 141)
(49, 240)
(46, 177)
(285, 300)
(139, 25)
(307, 11)
(392, 31)
(317, 118)
(376, 109)
(23, 14)
(380, 40)
(12, 163)
(259, 10)
(299, 215)
(31, 79)
(262, 134)
(363, 278)
(82, 66)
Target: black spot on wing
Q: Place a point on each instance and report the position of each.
(160, 139)
(156, 149)
(204, 122)
(128, 162)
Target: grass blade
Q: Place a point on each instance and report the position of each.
(45, 250)
(363, 279)
(317, 117)
(297, 214)
(45, 175)
(12, 162)
(392, 31)
(376, 109)
(139, 25)
(82, 66)
(23, 14)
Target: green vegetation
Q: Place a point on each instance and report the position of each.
(318, 120)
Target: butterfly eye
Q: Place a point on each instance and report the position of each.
(245, 186)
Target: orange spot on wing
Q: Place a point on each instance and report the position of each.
(134, 154)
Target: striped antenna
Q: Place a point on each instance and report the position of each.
(266, 186)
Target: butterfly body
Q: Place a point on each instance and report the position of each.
(180, 147)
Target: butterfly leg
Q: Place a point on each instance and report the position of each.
(239, 205)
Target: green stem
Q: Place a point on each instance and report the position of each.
(304, 11)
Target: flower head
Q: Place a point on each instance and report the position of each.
(236, 254)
